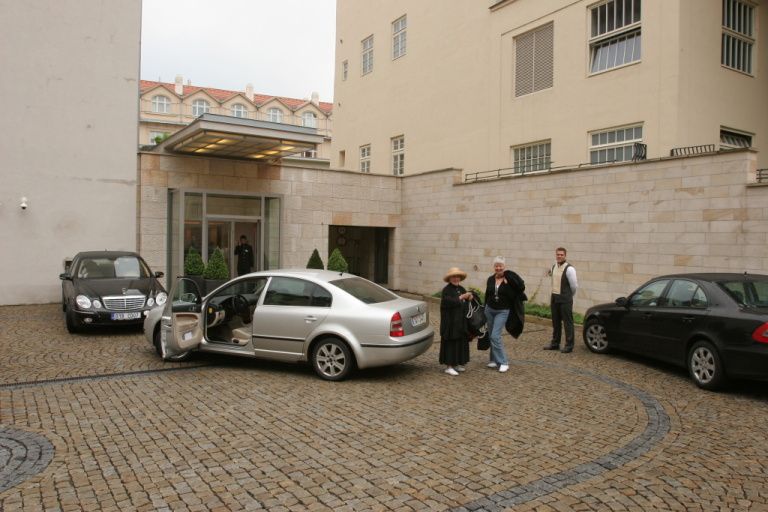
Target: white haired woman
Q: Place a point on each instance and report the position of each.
(454, 336)
(500, 294)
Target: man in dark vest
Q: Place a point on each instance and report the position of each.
(564, 285)
(244, 254)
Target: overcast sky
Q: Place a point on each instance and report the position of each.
(282, 47)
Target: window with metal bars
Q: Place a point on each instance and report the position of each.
(614, 145)
(615, 36)
(738, 35)
(734, 140)
(534, 60)
(532, 157)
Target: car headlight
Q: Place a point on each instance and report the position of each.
(150, 302)
(161, 298)
(97, 303)
(83, 302)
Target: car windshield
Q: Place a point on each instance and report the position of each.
(747, 292)
(112, 267)
(363, 290)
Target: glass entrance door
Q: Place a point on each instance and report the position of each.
(220, 236)
(249, 230)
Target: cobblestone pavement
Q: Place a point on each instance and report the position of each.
(97, 422)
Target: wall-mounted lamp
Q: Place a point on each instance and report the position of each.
(24, 203)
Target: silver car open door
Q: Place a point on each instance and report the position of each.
(181, 328)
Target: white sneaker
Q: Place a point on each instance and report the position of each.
(461, 368)
(503, 368)
(492, 365)
(451, 371)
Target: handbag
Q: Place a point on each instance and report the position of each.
(484, 342)
(476, 318)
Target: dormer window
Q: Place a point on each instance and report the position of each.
(239, 110)
(161, 104)
(200, 107)
(309, 119)
(275, 115)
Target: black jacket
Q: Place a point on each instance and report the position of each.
(511, 296)
(453, 311)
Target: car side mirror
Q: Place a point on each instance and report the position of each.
(622, 301)
(66, 276)
(159, 274)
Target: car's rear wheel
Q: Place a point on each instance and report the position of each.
(595, 337)
(332, 359)
(73, 323)
(162, 350)
(705, 366)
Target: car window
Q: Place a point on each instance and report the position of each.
(321, 297)
(649, 294)
(289, 291)
(747, 292)
(684, 294)
(249, 288)
(364, 290)
(111, 267)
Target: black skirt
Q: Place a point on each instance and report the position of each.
(454, 352)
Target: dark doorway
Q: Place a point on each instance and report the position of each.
(366, 250)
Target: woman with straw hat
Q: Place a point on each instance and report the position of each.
(454, 337)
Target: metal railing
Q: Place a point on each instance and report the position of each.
(693, 150)
(762, 175)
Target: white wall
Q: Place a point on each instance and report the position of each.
(69, 133)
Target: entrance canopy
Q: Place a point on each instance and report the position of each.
(215, 135)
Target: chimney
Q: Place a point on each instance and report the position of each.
(249, 91)
(178, 88)
(315, 98)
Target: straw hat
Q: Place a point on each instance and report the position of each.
(454, 271)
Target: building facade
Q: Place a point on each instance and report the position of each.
(68, 157)
(515, 86)
(165, 108)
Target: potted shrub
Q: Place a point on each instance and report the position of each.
(315, 261)
(216, 271)
(337, 262)
(194, 268)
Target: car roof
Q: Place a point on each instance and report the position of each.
(320, 275)
(96, 254)
(716, 276)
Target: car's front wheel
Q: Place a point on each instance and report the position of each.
(595, 337)
(332, 359)
(705, 366)
(162, 351)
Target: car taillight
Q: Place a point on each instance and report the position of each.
(396, 326)
(761, 334)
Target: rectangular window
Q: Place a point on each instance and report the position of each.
(398, 155)
(532, 157)
(367, 45)
(615, 34)
(730, 139)
(534, 60)
(738, 35)
(365, 158)
(614, 145)
(398, 37)
(344, 70)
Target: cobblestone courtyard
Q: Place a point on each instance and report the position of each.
(97, 422)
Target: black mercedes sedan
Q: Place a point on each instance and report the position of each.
(109, 288)
(716, 325)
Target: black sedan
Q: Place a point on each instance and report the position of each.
(109, 288)
(714, 324)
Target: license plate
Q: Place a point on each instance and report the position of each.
(419, 319)
(126, 316)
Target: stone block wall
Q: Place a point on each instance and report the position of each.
(621, 224)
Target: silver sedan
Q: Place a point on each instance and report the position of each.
(335, 321)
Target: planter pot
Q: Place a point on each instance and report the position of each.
(212, 284)
(200, 282)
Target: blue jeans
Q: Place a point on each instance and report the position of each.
(497, 319)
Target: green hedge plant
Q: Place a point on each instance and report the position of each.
(337, 262)
(315, 261)
(193, 263)
(216, 267)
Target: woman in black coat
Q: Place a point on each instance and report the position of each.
(503, 300)
(454, 336)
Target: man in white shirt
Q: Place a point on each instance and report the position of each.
(564, 285)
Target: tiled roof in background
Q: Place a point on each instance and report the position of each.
(223, 95)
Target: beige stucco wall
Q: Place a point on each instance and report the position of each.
(621, 224)
(452, 94)
(312, 200)
(70, 80)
